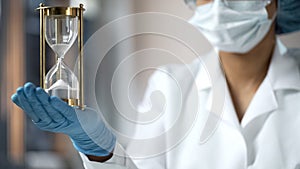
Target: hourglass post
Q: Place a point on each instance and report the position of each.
(80, 65)
(59, 27)
(42, 46)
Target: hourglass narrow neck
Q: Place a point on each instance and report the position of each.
(60, 49)
(60, 68)
(60, 59)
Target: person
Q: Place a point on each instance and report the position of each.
(261, 114)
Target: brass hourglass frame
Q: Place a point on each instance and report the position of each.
(62, 11)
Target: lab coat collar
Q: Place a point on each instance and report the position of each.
(263, 103)
(283, 74)
(284, 70)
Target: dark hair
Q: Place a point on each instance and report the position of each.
(288, 16)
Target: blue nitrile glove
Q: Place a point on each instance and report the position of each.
(85, 128)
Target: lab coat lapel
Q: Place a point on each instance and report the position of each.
(222, 111)
(214, 83)
(281, 76)
(263, 102)
(228, 115)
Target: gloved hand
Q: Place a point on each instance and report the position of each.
(85, 127)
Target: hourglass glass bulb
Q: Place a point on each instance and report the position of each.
(61, 33)
(61, 82)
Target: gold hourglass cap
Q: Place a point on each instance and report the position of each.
(59, 10)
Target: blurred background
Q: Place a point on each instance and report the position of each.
(22, 145)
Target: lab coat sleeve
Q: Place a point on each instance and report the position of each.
(116, 162)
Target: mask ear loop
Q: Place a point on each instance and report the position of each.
(275, 13)
(274, 16)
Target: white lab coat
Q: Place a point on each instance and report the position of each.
(267, 138)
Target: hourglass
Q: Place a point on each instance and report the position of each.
(60, 27)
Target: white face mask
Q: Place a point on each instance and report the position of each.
(231, 30)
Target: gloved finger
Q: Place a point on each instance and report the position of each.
(26, 106)
(15, 99)
(63, 108)
(29, 90)
(44, 98)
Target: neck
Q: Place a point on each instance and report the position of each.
(245, 72)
